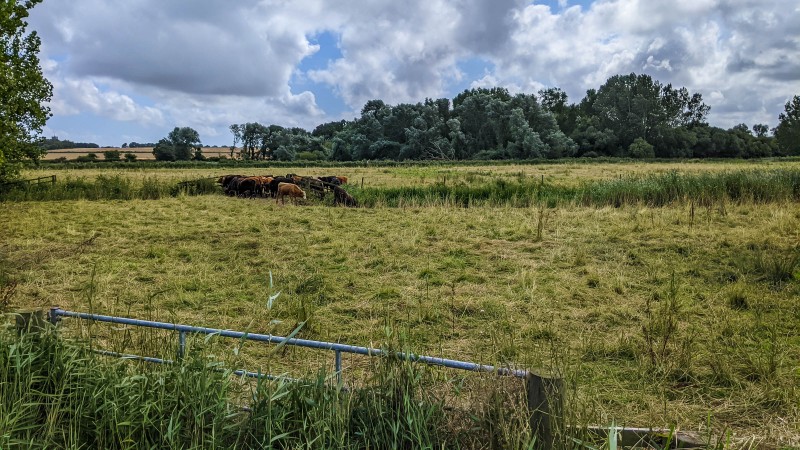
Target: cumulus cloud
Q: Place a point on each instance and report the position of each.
(210, 63)
(740, 49)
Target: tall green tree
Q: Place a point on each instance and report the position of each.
(179, 145)
(787, 133)
(23, 89)
(636, 106)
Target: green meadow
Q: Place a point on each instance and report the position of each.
(665, 293)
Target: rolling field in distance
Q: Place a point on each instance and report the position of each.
(677, 315)
(142, 153)
(568, 173)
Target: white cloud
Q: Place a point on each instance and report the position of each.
(210, 63)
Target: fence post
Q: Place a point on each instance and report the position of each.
(30, 321)
(546, 405)
(181, 344)
(338, 367)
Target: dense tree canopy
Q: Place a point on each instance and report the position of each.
(628, 116)
(23, 89)
(788, 131)
(180, 145)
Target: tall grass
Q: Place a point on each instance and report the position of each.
(109, 187)
(703, 189)
(746, 186)
(56, 393)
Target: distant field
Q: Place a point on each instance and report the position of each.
(684, 315)
(568, 173)
(142, 153)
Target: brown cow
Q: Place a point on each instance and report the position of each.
(342, 180)
(292, 190)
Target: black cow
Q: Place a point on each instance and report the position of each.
(332, 180)
(341, 197)
(231, 184)
(225, 180)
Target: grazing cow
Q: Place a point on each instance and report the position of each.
(225, 181)
(342, 180)
(331, 180)
(341, 197)
(273, 185)
(292, 190)
(248, 187)
(232, 188)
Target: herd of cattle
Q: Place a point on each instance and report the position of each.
(291, 185)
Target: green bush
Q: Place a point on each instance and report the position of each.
(111, 155)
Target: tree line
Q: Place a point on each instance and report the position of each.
(630, 116)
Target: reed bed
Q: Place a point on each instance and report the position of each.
(747, 186)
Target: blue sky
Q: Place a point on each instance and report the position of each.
(131, 71)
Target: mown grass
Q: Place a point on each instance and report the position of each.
(674, 315)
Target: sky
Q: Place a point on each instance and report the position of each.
(131, 70)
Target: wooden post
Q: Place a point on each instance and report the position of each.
(546, 405)
(362, 182)
(30, 321)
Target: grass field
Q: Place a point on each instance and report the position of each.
(682, 315)
(565, 172)
(142, 153)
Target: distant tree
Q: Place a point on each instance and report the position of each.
(164, 151)
(636, 106)
(555, 100)
(130, 157)
(525, 143)
(284, 153)
(760, 130)
(329, 129)
(787, 133)
(253, 137)
(111, 155)
(24, 91)
(185, 140)
(640, 148)
(741, 128)
(91, 157)
(179, 145)
(124, 145)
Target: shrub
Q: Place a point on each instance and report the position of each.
(640, 148)
(91, 157)
(111, 155)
